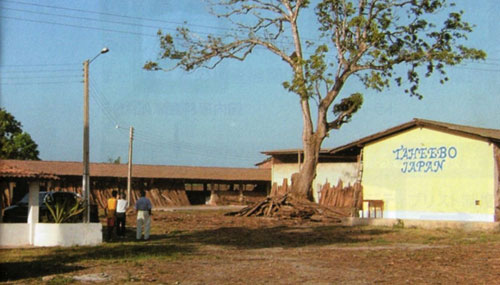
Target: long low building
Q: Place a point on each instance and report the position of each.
(166, 185)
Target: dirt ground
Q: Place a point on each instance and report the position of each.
(206, 247)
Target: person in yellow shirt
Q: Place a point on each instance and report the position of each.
(111, 214)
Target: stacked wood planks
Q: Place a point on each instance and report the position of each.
(340, 196)
(237, 197)
(278, 190)
(159, 198)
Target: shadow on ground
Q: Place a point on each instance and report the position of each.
(61, 260)
(279, 236)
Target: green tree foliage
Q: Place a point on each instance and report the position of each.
(379, 42)
(117, 160)
(14, 143)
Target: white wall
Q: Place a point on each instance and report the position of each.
(40, 234)
(330, 172)
(17, 234)
(14, 234)
(68, 234)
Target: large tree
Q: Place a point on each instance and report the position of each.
(14, 142)
(379, 42)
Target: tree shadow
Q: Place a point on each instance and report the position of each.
(60, 260)
(280, 236)
(12, 271)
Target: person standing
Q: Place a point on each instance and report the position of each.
(143, 208)
(121, 215)
(111, 214)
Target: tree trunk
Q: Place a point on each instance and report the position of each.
(302, 182)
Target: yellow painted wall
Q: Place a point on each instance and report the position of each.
(325, 172)
(427, 174)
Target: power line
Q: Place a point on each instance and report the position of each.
(485, 62)
(476, 69)
(110, 21)
(117, 22)
(39, 77)
(41, 70)
(39, 83)
(35, 65)
(106, 29)
(87, 19)
(103, 103)
(117, 15)
(77, 26)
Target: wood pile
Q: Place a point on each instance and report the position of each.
(287, 207)
(335, 203)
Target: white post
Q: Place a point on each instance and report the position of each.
(33, 209)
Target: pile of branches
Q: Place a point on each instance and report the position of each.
(288, 207)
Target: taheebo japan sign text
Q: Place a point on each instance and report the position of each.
(424, 159)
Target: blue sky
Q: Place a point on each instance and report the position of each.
(221, 117)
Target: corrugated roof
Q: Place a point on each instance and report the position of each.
(478, 133)
(69, 168)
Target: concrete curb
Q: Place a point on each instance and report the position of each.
(424, 224)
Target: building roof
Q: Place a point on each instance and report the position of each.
(266, 163)
(69, 168)
(292, 156)
(12, 171)
(294, 151)
(492, 135)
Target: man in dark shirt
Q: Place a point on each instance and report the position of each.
(143, 208)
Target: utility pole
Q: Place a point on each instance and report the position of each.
(86, 176)
(129, 176)
(86, 172)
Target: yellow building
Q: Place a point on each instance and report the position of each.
(429, 170)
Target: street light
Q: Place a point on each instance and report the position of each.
(86, 176)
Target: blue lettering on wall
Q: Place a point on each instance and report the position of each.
(424, 159)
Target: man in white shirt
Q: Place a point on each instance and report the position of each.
(121, 215)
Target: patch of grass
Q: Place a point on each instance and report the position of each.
(379, 241)
(400, 224)
(175, 233)
(60, 280)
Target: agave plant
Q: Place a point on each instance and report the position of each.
(64, 211)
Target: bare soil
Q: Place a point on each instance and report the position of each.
(206, 247)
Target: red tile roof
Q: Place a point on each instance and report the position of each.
(69, 168)
(16, 172)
